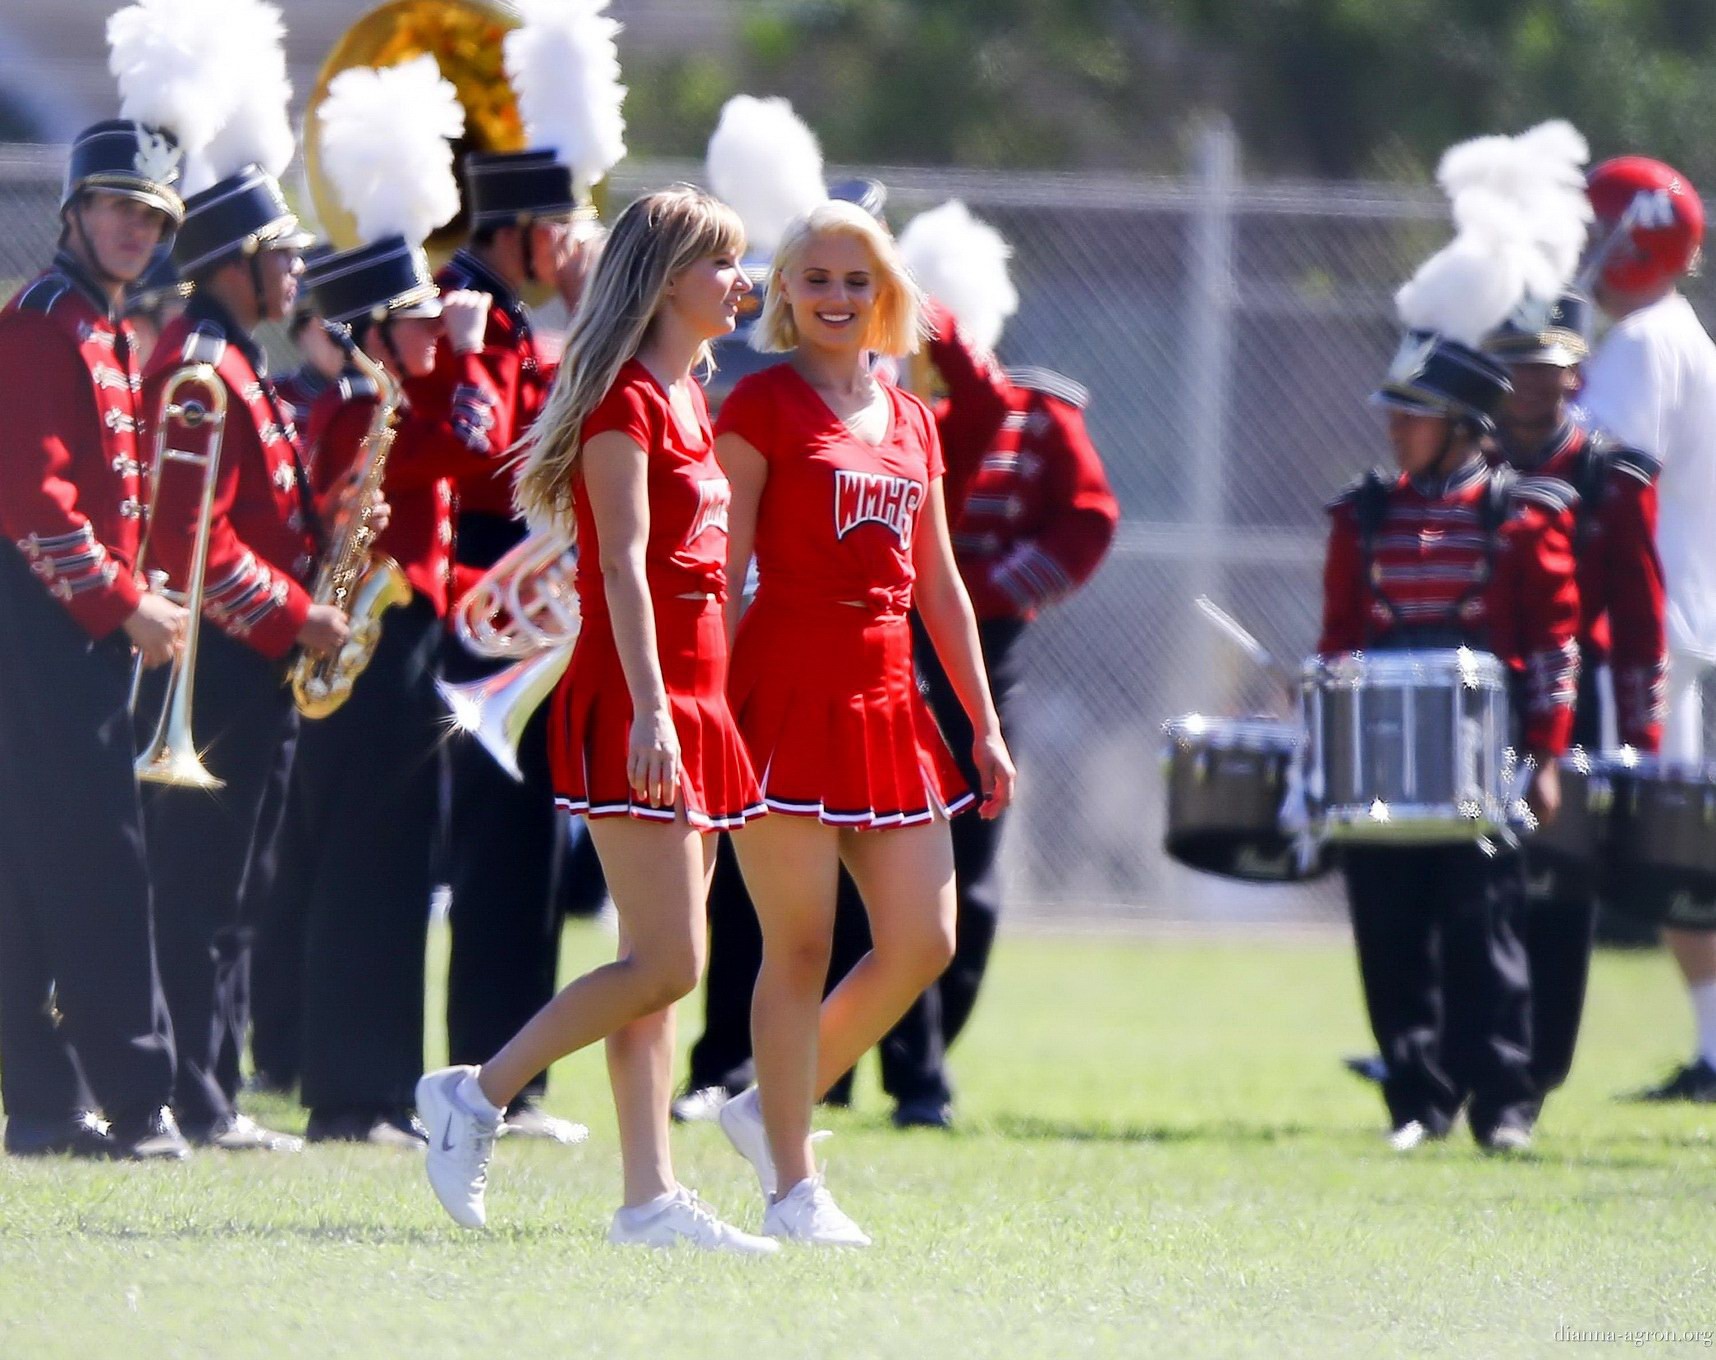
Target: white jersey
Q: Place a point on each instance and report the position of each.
(1652, 384)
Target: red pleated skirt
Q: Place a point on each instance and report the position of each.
(829, 705)
(590, 720)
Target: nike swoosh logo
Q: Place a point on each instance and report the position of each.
(447, 1136)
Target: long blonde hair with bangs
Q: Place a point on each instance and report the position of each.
(896, 324)
(655, 238)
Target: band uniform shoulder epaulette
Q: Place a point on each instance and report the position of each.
(41, 296)
(1353, 490)
(1056, 385)
(1551, 493)
(1623, 458)
(356, 386)
(204, 344)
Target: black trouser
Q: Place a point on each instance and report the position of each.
(77, 948)
(722, 1054)
(1445, 980)
(210, 853)
(369, 778)
(913, 1053)
(1559, 932)
(277, 953)
(507, 861)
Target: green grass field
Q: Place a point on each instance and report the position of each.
(1159, 1156)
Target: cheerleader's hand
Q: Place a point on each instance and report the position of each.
(995, 772)
(652, 761)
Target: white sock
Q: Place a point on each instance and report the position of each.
(471, 1096)
(1703, 997)
(639, 1213)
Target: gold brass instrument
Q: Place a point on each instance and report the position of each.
(171, 755)
(360, 583)
(524, 609)
(464, 37)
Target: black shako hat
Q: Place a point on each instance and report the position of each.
(1433, 375)
(122, 156)
(239, 215)
(510, 188)
(387, 278)
(1561, 338)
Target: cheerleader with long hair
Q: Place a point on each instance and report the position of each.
(837, 487)
(641, 740)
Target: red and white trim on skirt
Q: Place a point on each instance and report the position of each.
(699, 821)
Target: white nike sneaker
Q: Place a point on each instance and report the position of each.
(461, 1141)
(807, 1213)
(689, 1220)
(1408, 1137)
(741, 1119)
(700, 1106)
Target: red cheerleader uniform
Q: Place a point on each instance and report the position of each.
(591, 714)
(825, 692)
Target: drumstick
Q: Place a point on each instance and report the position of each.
(1238, 634)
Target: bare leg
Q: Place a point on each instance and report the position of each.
(658, 876)
(905, 877)
(640, 1071)
(791, 867)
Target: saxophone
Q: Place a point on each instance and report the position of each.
(361, 584)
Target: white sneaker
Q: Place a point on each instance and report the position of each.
(741, 1119)
(1407, 1137)
(685, 1219)
(700, 1106)
(461, 1142)
(807, 1213)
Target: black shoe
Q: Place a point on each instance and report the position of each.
(379, 1128)
(1696, 1082)
(82, 1135)
(1509, 1137)
(149, 1137)
(923, 1114)
(241, 1133)
(1368, 1068)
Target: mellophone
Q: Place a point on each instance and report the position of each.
(1413, 748)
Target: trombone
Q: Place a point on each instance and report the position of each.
(171, 755)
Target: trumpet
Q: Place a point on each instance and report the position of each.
(171, 755)
(524, 610)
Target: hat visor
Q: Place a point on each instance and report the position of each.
(1413, 403)
(165, 200)
(428, 308)
(286, 234)
(1558, 354)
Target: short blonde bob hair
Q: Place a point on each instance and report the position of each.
(896, 325)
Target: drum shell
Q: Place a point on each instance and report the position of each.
(1408, 747)
(1562, 859)
(1226, 782)
(1660, 857)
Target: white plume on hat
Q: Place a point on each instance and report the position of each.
(961, 262)
(386, 145)
(1520, 216)
(170, 60)
(565, 69)
(256, 129)
(766, 165)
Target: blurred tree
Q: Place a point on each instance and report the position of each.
(1316, 87)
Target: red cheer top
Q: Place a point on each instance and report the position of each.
(688, 493)
(838, 515)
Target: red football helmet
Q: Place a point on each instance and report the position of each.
(1663, 219)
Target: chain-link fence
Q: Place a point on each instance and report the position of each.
(1230, 333)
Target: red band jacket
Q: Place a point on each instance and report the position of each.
(262, 533)
(1030, 507)
(71, 412)
(1621, 595)
(1440, 571)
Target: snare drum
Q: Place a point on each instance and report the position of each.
(1660, 860)
(1227, 780)
(1562, 858)
(1408, 747)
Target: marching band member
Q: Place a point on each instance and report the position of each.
(1620, 623)
(1448, 554)
(371, 770)
(320, 359)
(1032, 516)
(837, 485)
(79, 995)
(239, 245)
(643, 742)
(1652, 385)
(509, 862)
